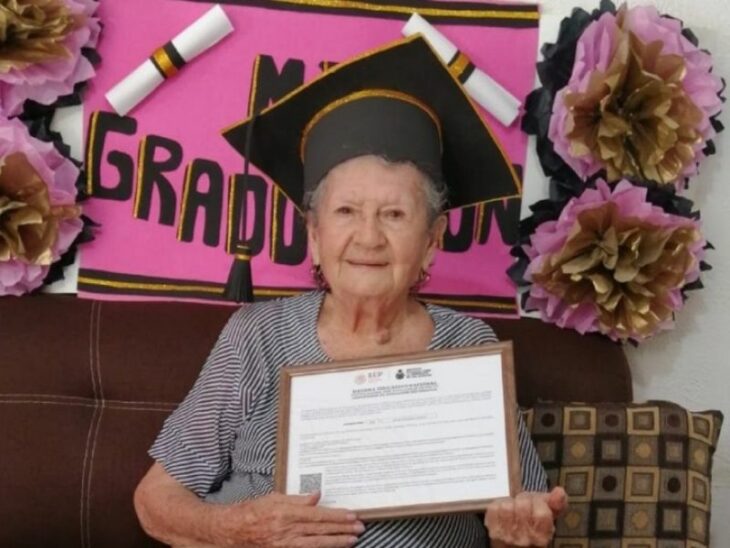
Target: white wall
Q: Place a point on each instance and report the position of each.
(690, 365)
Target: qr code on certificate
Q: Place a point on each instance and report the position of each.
(309, 483)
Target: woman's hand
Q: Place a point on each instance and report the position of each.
(289, 521)
(527, 519)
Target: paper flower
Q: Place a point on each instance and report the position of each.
(625, 94)
(45, 50)
(613, 262)
(39, 219)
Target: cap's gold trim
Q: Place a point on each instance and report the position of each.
(459, 64)
(367, 94)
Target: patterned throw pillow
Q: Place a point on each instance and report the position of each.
(638, 475)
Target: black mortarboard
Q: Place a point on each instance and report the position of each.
(400, 102)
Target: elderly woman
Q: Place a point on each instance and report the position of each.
(367, 164)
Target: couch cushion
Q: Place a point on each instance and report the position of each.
(84, 389)
(637, 475)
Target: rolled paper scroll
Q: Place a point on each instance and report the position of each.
(499, 102)
(164, 63)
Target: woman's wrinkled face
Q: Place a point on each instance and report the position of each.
(370, 231)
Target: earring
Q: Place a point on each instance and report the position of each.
(424, 276)
(316, 272)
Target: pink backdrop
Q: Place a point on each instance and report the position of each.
(135, 258)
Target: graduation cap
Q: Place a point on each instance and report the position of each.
(400, 102)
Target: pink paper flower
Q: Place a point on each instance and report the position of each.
(613, 263)
(45, 72)
(39, 219)
(600, 121)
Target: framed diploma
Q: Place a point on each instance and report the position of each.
(410, 435)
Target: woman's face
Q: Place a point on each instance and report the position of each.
(370, 231)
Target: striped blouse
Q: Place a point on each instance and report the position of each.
(220, 442)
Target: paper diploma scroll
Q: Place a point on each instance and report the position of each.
(204, 33)
(483, 89)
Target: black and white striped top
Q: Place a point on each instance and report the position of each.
(220, 442)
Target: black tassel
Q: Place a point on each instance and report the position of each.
(239, 287)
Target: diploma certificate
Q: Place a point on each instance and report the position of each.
(410, 435)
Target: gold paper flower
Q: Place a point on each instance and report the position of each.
(630, 269)
(34, 31)
(29, 224)
(635, 116)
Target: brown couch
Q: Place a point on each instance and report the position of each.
(86, 385)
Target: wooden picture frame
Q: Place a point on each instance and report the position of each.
(422, 363)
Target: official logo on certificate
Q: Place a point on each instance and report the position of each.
(409, 435)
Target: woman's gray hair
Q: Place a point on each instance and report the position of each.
(435, 192)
